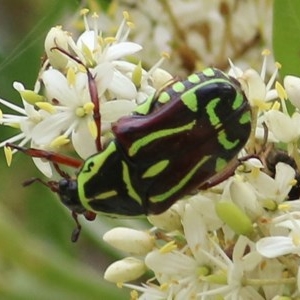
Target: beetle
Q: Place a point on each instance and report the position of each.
(181, 139)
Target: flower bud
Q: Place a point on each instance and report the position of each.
(56, 37)
(129, 240)
(169, 220)
(234, 217)
(125, 270)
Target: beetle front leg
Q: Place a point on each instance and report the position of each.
(51, 156)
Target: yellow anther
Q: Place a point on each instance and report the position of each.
(88, 54)
(84, 11)
(71, 77)
(296, 240)
(134, 295)
(137, 75)
(164, 286)
(31, 97)
(8, 155)
(88, 107)
(293, 182)
(13, 125)
(81, 69)
(131, 25)
(80, 112)
(109, 40)
(168, 247)
(275, 106)
(285, 206)
(119, 284)
(281, 91)
(266, 52)
(278, 65)
(262, 105)
(95, 15)
(255, 172)
(59, 141)
(93, 129)
(126, 15)
(46, 106)
(165, 55)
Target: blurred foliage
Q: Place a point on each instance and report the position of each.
(286, 30)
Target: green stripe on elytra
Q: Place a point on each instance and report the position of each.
(180, 184)
(164, 97)
(210, 110)
(156, 169)
(131, 191)
(209, 72)
(238, 101)
(245, 118)
(147, 139)
(178, 87)
(226, 144)
(220, 164)
(107, 194)
(144, 108)
(189, 98)
(88, 171)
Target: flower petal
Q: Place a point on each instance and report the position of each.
(275, 246)
(119, 50)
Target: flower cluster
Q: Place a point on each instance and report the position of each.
(78, 79)
(237, 240)
(200, 33)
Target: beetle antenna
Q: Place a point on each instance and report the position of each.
(52, 185)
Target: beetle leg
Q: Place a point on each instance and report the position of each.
(77, 230)
(53, 157)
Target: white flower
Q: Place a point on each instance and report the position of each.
(285, 128)
(292, 87)
(71, 117)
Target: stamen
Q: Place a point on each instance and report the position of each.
(93, 129)
(265, 53)
(273, 77)
(95, 18)
(164, 56)
(137, 75)
(88, 107)
(282, 96)
(109, 40)
(8, 155)
(59, 141)
(13, 107)
(168, 247)
(71, 76)
(46, 106)
(84, 13)
(31, 97)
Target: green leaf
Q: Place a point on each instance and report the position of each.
(286, 33)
